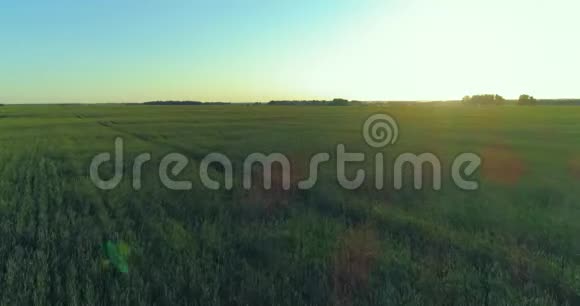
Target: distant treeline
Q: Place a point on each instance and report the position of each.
(184, 103)
(484, 100)
(335, 102)
(491, 99)
(480, 100)
(571, 102)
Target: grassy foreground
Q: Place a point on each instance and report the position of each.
(512, 242)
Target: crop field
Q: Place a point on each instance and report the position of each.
(510, 242)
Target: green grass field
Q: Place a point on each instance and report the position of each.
(512, 242)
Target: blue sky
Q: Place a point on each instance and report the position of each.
(251, 50)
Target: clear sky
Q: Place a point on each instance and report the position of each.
(260, 50)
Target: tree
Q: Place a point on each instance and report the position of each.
(484, 100)
(498, 99)
(527, 100)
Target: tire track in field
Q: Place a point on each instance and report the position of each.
(145, 220)
(152, 221)
(110, 222)
(196, 156)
